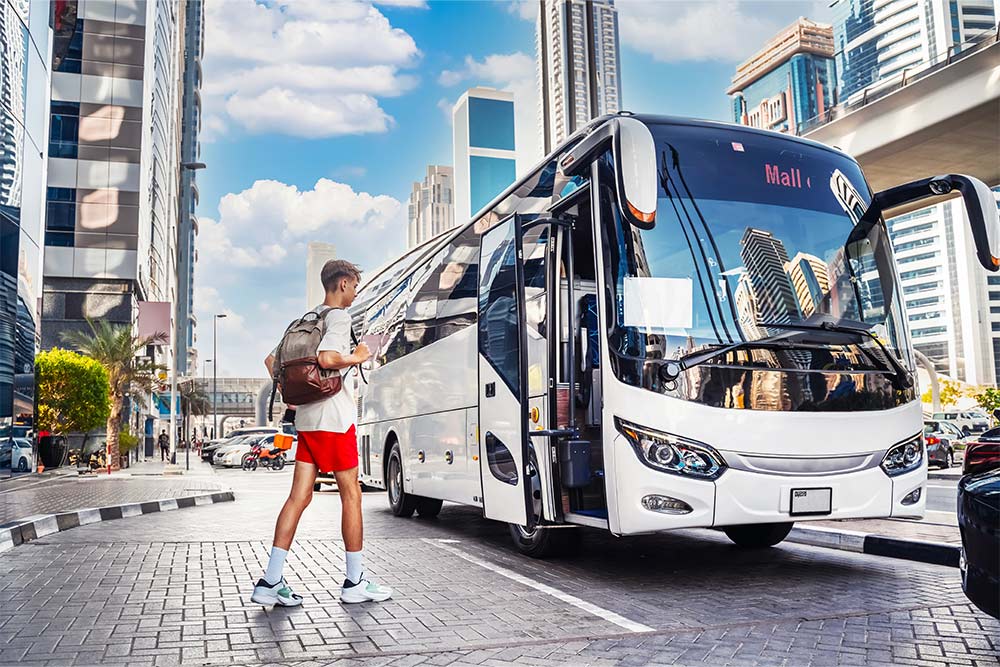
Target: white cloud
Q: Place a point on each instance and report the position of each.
(514, 72)
(252, 259)
(309, 68)
(525, 9)
(719, 30)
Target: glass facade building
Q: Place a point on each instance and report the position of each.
(25, 50)
(484, 145)
(944, 288)
(790, 81)
(877, 40)
(186, 359)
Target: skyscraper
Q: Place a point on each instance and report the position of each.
(317, 254)
(25, 45)
(765, 258)
(187, 228)
(578, 65)
(483, 141)
(810, 280)
(431, 206)
(878, 40)
(111, 218)
(791, 80)
(944, 288)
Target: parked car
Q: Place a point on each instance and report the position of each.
(22, 457)
(209, 450)
(967, 421)
(940, 440)
(979, 523)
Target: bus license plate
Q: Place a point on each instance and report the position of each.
(811, 501)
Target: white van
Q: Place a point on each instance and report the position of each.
(968, 421)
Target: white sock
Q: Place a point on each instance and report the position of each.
(354, 566)
(275, 565)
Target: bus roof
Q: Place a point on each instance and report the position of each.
(418, 252)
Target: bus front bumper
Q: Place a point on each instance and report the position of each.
(740, 497)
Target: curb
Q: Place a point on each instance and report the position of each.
(936, 553)
(943, 475)
(25, 530)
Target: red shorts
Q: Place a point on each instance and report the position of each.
(328, 451)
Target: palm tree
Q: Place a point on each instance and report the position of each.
(129, 374)
(193, 402)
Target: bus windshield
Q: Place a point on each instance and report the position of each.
(753, 234)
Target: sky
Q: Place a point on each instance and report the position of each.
(318, 116)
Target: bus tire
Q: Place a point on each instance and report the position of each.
(758, 536)
(545, 542)
(402, 503)
(428, 508)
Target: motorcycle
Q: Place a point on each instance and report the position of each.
(267, 457)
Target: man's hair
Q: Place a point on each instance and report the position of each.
(336, 270)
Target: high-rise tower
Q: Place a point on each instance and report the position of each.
(578, 65)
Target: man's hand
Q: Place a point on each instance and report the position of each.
(361, 353)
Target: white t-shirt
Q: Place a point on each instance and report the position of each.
(338, 413)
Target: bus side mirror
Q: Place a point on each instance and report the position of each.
(980, 206)
(635, 162)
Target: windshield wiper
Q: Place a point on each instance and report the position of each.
(901, 377)
(672, 368)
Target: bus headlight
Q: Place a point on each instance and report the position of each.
(904, 457)
(671, 453)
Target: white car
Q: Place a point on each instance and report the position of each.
(22, 456)
(967, 421)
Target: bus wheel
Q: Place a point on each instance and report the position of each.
(757, 536)
(401, 502)
(542, 542)
(428, 508)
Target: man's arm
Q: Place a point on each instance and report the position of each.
(269, 364)
(332, 360)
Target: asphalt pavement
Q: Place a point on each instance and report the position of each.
(173, 588)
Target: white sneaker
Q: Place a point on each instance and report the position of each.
(275, 594)
(364, 591)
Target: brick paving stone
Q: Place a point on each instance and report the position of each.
(173, 588)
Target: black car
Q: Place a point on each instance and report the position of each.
(979, 524)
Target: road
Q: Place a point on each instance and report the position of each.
(172, 588)
(942, 494)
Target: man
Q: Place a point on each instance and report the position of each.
(164, 441)
(326, 442)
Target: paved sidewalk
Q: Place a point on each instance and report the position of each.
(901, 529)
(174, 588)
(68, 492)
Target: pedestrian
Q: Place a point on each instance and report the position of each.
(164, 441)
(326, 443)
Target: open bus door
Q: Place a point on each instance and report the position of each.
(503, 375)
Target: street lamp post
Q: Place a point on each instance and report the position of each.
(215, 375)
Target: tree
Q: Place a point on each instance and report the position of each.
(72, 392)
(129, 374)
(950, 392)
(989, 399)
(193, 402)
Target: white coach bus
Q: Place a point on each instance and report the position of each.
(667, 324)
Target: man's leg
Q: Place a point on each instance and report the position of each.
(351, 525)
(357, 588)
(271, 589)
(298, 499)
